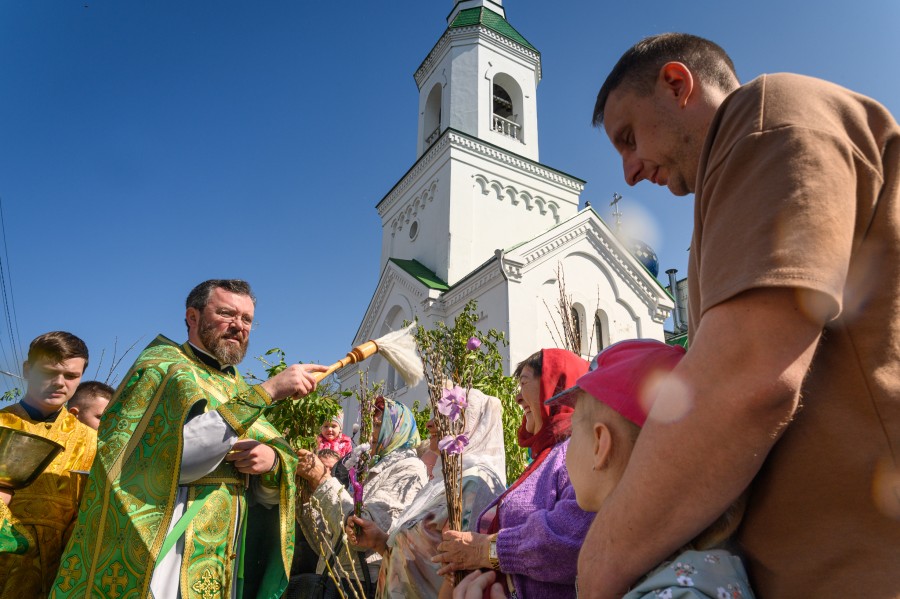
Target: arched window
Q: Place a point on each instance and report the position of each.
(576, 330)
(601, 330)
(432, 124)
(506, 106)
(503, 105)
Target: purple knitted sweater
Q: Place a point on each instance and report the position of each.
(541, 531)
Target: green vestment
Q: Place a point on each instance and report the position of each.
(12, 538)
(127, 507)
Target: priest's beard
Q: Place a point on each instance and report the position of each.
(216, 344)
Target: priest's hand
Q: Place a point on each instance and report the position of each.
(462, 551)
(369, 535)
(311, 468)
(295, 380)
(251, 457)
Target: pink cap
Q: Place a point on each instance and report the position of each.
(620, 374)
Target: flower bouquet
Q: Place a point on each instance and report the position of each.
(449, 400)
(360, 458)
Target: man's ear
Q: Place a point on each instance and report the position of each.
(677, 82)
(26, 368)
(192, 317)
(602, 446)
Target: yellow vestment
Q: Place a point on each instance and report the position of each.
(47, 508)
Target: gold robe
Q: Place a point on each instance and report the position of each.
(47, 508)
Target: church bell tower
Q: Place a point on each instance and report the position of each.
(480, 80)
(477, 185)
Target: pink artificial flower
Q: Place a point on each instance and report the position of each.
(453, 445)
(357, 488)
(473, 343)
(452, 402)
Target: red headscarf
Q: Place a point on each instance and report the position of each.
(560, 369)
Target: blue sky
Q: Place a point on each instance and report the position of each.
(147, 146)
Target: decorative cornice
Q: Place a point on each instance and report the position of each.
(470, 287)
(485, 150)
(414, 207)
(652, 296)
(515, 196)
(462, 32)
(454, 139)
(413, 174)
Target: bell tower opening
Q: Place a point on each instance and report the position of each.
(432, 123)
(506, 107)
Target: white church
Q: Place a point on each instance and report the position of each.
(478, 216)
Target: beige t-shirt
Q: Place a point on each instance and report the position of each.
(799, 187)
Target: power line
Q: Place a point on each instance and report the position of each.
(12, 295)
(6, 298)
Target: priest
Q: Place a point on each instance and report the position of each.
(192, 492)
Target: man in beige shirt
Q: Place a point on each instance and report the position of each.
(792, 381)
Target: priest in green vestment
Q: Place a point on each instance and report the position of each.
(192, 491)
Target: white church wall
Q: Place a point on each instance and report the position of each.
(496, 205)
(416, 221)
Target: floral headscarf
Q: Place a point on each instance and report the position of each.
(398, 428)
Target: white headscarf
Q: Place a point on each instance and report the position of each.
(484, 456)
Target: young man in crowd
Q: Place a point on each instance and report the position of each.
(794, 280)
(47, 508)
(89, 402)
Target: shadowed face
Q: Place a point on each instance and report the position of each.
(51, 384)
(654, 138)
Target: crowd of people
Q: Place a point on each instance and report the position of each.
(761, 462)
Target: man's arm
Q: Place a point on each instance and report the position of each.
(707, 436)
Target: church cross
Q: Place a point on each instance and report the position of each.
(616, 212)
(114, 581)
(207, 586)
(69, 572)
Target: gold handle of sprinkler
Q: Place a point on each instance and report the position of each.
(357, 354)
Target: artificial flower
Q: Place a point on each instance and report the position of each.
(453, 445)
(452, 402)
(353, 460)
(357, 487)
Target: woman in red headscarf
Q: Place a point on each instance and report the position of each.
(532, 533)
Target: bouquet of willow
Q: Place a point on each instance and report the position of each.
(360, 458)
(449, 384)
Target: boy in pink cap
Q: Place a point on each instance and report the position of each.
(612, 402)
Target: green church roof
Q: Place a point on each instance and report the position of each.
(488, 18)
(421, 273)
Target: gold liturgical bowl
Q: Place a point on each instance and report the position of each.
(23, 457)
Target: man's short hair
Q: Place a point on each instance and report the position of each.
(640, 65)
(57, 346)
(89, 390)
(328, 453)
(199, 295)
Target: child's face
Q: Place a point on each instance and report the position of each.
(588, 456)
(331, 430)
(92, 411)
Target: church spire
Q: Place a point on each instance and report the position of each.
(460, 5)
